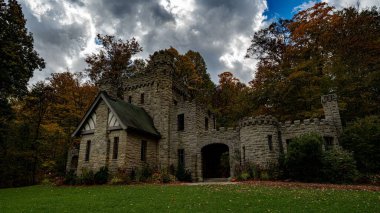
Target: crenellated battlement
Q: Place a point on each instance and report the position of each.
(259, 120)
(306, 122)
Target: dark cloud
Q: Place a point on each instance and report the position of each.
(214, 28)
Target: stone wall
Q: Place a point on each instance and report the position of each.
(120, 161)
(133, 150)
(297, 128)
(227, 136)
(331, 109)
(156, 87)
(256, 134)
(98, 148)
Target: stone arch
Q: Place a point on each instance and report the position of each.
(215, 161)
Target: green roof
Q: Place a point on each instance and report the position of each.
(132, 116)
(128, 115)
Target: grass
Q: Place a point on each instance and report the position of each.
(181, 198)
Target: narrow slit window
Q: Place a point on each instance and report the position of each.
(270, 143)
(180, 122)
(115, 147)
(88, 149)
(288, 141)
(143, 150)
(130, 99)
(206, 123)
(142, 98)
(244, 154)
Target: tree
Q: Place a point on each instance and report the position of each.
(18, 57)
(111, 65)
(362, 138)
(231, 100)
(304, 157)
(204, 86)
(320, 50)
(17, 63)
(40, 133)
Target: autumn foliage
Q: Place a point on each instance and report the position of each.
(319, 51)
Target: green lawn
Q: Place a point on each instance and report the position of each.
(179, 198)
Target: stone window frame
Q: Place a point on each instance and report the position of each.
(115, 148)
(88, 150)
(270, 142)
(181, 157)
(143, 150)
(181, 122)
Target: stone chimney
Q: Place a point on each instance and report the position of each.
(331, 109)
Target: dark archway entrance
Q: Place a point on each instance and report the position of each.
(215, 161)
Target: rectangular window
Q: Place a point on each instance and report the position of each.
(181, 157)
(115, 147)
(130, 99)
(206, 123)
(214, 122)
(181, 122)
(270, 143)
(143, 150)
(328, 142)
(88, 149)
(142, 98)
(244, 154)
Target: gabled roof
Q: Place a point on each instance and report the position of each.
(128, 115)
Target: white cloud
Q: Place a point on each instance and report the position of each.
(64, 31)
(304, 6)
(339, 4)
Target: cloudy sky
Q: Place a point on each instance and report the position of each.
(64, 30)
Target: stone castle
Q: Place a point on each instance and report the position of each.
(160, 124)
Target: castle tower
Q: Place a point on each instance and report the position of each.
(331, 109)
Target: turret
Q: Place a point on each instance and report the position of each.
(331, 109)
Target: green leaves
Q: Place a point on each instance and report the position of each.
(111, 65)
(18, 57)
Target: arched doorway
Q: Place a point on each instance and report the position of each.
(215, 161)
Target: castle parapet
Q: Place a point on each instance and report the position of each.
(306, 122)
(259, 120)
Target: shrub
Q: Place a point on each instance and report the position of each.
(248, 168)
(133, 174)
(116, 181)
(338, 166)
(122, 174)
(167, 178)
(304, 157)
(157, 177)
(87, 177)
(101, 177)
(363, 139)
(244, 176)
(182, 174)
(70, 178)
(145, 173)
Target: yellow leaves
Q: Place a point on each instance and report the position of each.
(53, 128)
